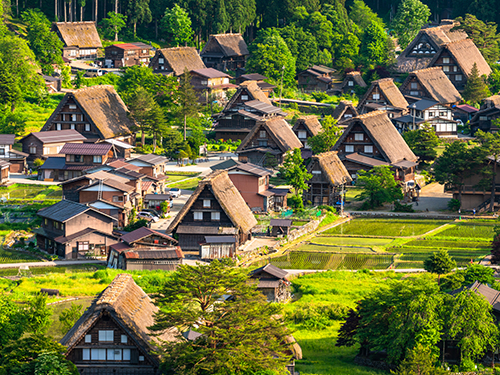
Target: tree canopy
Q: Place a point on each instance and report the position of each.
(423, 142)
(410, 17)
(379, 187)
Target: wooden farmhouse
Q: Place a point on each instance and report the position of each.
(151, 165)
(306, 127)
(81, 39)
(72, 230)
(430, 112)
(280, 227)
(216, 208)
(246, 107)
(4, 171)
(272, 282)
(97, 112)
(370, 140)
(316, 78)
(484, 118)
(174, 61)
(52, 84)
(225, 52)
(383, 94)
(424, 47)
(352, 81)
(126, 54)
(211, 84)
(344, 111)
(431, 84)
(464, 112)
(328, 181)
(268, 142)
(457, 59)
(41, 145)
(8, 154)
(112, 336)
(266, 88)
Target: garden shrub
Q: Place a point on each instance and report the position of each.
(401, 207)
(454, 204)
(318, 317)
(295, 201)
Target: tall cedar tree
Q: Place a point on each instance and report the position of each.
(410, 17)
(439, 263)
(240, 334)
(10, 92)
(294, 171)
(491, 143)
(138, 12)
(187, 99)
(423, 142)
(373, 48)
(177, 24)
(475, 89)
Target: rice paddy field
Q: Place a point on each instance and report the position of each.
(31, 192)
(389, 243)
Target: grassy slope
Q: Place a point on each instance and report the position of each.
(36, 114)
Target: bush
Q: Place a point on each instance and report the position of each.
(320, 96)
(136, 225)
(454, 205)
(318, 317)
(401, 207)
(295, 201)
(222, 148)
(327, 209)
(294, 106)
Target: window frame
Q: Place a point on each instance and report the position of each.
(215, 216)
(197, 215)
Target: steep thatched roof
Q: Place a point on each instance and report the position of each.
(389, 90)
(228, 197)
(103, 107)
(281, 132)
(333, 169)
(436, 84)
(491, 101)
(341, 108)
(180, 58)
(229, 44)
(466, 54)
(377, 125)
(356, 77)
(310, 122)
(78, 34)
(128, 305)
(254, 90)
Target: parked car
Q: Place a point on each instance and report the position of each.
(148, 216)
(175, 192)
(151, 211)
(93, 73)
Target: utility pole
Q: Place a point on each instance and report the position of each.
(281, 88)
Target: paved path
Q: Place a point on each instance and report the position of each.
(202, 167)
(178, 203)
(19, 178)
(52, 263)
(432, 199)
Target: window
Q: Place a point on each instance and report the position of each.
(88, 338)
(98, 354)
(347, 116)
(105, 335)
(77, 158)
(442, 114)
(114, 355)
(350, 83)
(414, 93)
(58, 126)
(55, 224)
(431, 114)
(244, 97)
(32, 149)
(458, 77)
(86, 354)
(316, 172)
(87, 127)
(204, 82)
(124, 339)
(206, 203)
(141, 358)
(263, 143)
(376, 96)
(45, 221)
(369, 149)
(73, 118)
(446, 60)
(446, 68)
(455, 69)
(143, 51)
(262, 134)
(198, 215)
(84, 246)
(72, 106)
(414, 85)
(72, 126)
(117, 198)
(349, 148)
(302, 134)
(358, 136)
(161, 60)
(215, 216)
(72, 53)
(2, 151)
(97, 159)
(126, 354)
(483, 118)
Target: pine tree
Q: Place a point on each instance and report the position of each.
(187, 99)
(10, 92)
(222, 19)
(475, 89)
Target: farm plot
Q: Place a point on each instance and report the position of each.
(385, 227)
(476, 230)
(332, 249)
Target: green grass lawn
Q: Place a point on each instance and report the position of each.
(190, 184)
(352, 192)
(32, 192)
(174, 177)
(386, 227)
(36, 114)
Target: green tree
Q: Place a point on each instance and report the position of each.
(187, 100)
(271, 57)
(322, 29)
(221, 17)
(373, 48)
(439, 263)
(484, 35)
(362, 15)
(295, 172)
(327, 137)
(419, 361)
(475, 89)
(10, 90)
(177, 24)
(242, 333)
(13, 122)
(138, 12)
(53, 363)
(301, 44)
(11, 320)
(66, 77)
(113, 24)
(423, 142)
(378, 187)
(491, 144)
(69, 316)
(136, 77)
(409, 19)
(37, 314)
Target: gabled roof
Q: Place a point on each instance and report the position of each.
(130, 46)
(127, 304)
(151, 159)
(54, 162)
(333, 169)
(156, 254)
(423, 104)
(356, 77)
(123, 164)
(78, 34)
(7, 139)
(103, 107)
(279, 129)
(252, 77)
(56, 136)
(270, 269)
(255, 92)
(465, 54)
(113, 183)
(97, 149)
(181, 58)
(310, 122)
(491, 101)
(436, 84)
(211, 73)
(250, 168)
(382, 131)
(228, 197)
(64, 210)
(467, 108)
(491, 295)
(229, 44)
(142, 233)
(341, 108)
(389, 90)
(264, 108)
(281, 222)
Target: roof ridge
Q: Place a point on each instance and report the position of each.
(115, 289)
(369, 114)
(426, 69)
(353, 72)
(383, 80)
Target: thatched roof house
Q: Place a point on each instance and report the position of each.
(306, 127)
(173, 61)
(344, 111)
(430, 83)
(332, 168)
(216, 208)
(80, 39)
(225, 52)
(98, 113)
(420, 52)
(382, 93)
(351, 80)
(489, 111)
(268, 139)
(272, 281)
(116, 324)
(250, 90)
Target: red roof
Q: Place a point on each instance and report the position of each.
(145, 185)
(123, 164)
(126, 46)
(86, 148)
(467, 108)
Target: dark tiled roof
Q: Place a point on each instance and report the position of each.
(4, 164)
(63, 210)
(56, 136)
(220, 239)
(423, 104)
(123, 164)
(172, 253)
(281, 223)
(270, 269)
(151, 159)
(7, 139)
(152, 197)
(211, 73)
(54, 162)
(86, 149)
(225, 164)
(141, 233)
(127, 172)
(252, 77)
(251, 168)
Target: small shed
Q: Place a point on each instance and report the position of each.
(216, 247)
(154, 201)
(272, 283)
(280, 227)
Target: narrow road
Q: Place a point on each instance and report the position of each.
(51, 263)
